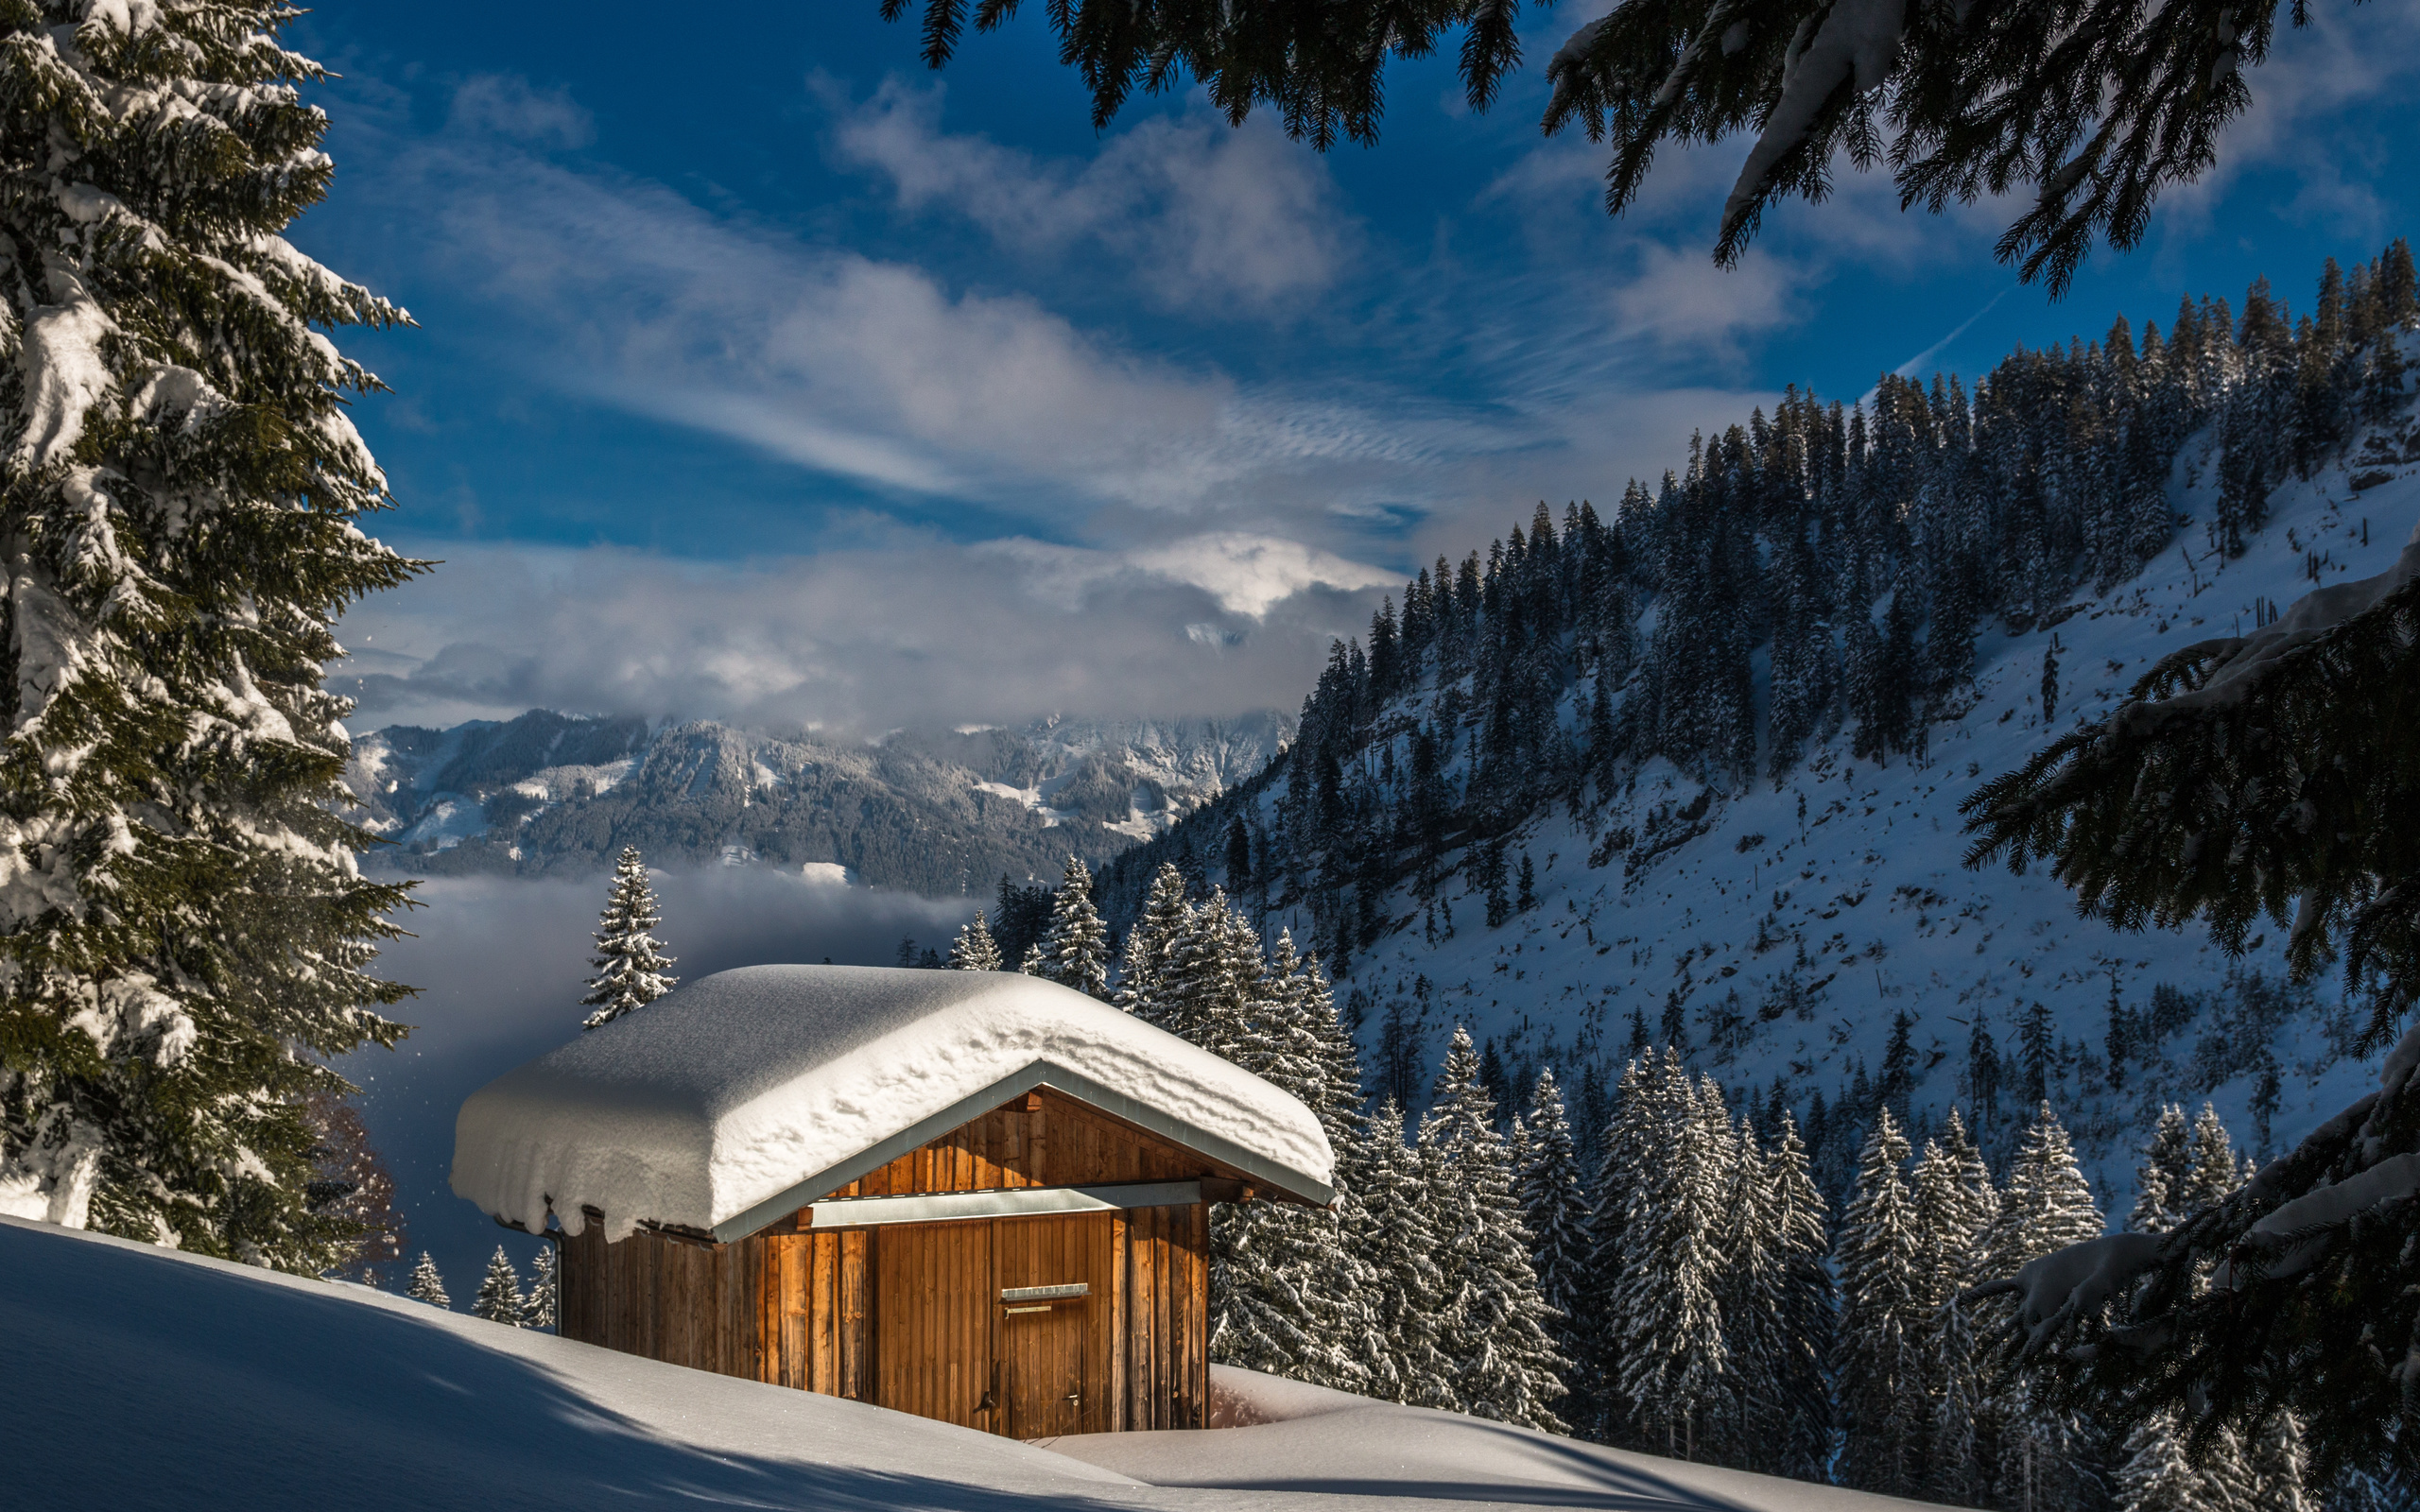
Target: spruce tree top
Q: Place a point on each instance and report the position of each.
(1076, 950)
(181, 492)
(630, 961)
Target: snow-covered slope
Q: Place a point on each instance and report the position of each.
(1283, 1435)
(1792, 923)
(143, 1378)
(938, 814)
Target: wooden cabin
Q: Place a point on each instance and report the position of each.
(974, 1196)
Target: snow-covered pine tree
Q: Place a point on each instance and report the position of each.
(1207, 979)
(1666, 1307)
(1554, 1204)
(539, 1309)
(425, 1284)
(1161, 919)
(1034, 963)
(1400, 1245)
(2166, 1158)
(2046, 1452)
(2277, 1468)
(2155, 1474)
(188, 938)
(975, 949)
(1285, 1297)
(1801, 1446)
(1738, 1423)
(1500, 1362)
(1338, 1106)
(1884, 1408)
(500, 1299)
(2210, 1171)
(1076, 950)
(1598, 1410)
(1955, 1205)
(630, 960)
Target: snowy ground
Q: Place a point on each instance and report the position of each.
(139, 1377)
(1862, 867)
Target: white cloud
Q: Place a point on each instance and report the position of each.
(906, 629)
(1250, 574)
(1202, 215)
(620, 290)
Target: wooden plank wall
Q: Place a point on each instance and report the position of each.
(815, 1312)
(1062, 1143)
(1167, 1286)
(906, 1315)
(791, 1309)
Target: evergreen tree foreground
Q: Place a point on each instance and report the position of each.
(187, 933)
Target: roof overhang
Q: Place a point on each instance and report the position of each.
(1263, 1172)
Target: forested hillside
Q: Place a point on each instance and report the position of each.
(1686, 771)
(1648, 821)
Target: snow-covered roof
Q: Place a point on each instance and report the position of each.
(747, 1094)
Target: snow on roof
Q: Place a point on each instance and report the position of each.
(748, 1093)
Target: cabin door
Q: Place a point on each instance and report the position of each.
(933, 1323)
(1052, 1302)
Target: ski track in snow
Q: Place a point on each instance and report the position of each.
(1874, 885)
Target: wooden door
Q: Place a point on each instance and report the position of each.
(1054, 1324)
(933, 1322)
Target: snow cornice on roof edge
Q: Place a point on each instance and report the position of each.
(750, 1093)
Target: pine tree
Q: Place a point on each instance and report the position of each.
(1666, 1303)
(1554, 1204)
(500, 1299)
(2210, 1171)
(189, 941)
(1034, 963)
(1501, 1363)
(1286, 1297)
(630, 960)
(1807, 1317)
(1400, 1244)
(539, 1309)
(2158, 1475)
(1955, 1206)
(2276, 1467)
(2160, 1180)
(2045, 1451)
(1075, 952)
(425, 1284)
(1878, 1253)
(1164, 916)
(975, 949)
(1208, 977)
(2297, 729)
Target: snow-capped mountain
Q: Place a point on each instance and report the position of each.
(1662, 869)
(938, 814)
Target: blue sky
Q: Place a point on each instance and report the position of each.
(763, 375)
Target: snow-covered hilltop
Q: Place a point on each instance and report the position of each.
(1691, 773)
(264, 1391)
(937, 813)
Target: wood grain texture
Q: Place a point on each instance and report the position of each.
(908, 1315)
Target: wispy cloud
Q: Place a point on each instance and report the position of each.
(1202, 216)
(904, 629)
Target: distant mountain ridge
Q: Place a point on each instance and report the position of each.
(936, 812)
